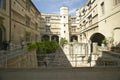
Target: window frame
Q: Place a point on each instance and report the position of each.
(3, 4)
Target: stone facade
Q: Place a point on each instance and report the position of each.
(19, 60)
(98, 20)
(19, 21)
(59, 26)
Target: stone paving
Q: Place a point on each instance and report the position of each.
(61, 74)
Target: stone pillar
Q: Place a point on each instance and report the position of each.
(95, 48)
(89, 47)
(78, 38)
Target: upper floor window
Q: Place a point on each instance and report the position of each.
(36, 26)
(73, 20)
(3, 4)
(27, 21)
(47, 28)
(47, 19)
(116, 2)
(102, 7)
(28, 5)
(73, 29)
(64, 25)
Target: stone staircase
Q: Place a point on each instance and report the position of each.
(59, 59)
(109, 58)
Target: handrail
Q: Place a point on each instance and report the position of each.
(10, 54)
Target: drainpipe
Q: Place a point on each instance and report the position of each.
(10, 25)
(10, 21)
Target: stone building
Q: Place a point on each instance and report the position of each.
(19, 20)
(99, 20)
(57, 26)
(96, 21)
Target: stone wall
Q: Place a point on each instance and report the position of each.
(26, 60)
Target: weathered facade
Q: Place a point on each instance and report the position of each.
(19, 20)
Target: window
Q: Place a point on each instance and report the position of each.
(28, 36)
(47, 28)
(3, 4)
(90, 19)
(64, 25)
(116, 2)
(47, 19)
(102, 8)
(73, 29)
(73, 20)
(36, 26)
(27, 21)
(28, 5)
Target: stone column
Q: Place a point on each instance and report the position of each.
(95, 48)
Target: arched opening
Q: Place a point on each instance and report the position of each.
(97, 38)
(1, 37)
(73, 38)
(55, 37)
(45, 38)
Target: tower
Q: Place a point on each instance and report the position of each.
(64, 26)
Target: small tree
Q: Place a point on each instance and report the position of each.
(63, 41)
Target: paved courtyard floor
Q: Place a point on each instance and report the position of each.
(61, 74)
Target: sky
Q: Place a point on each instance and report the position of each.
(53, 6)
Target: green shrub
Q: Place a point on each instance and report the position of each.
(31, 46)
(47, 46)
(105, 41)
(63, 41)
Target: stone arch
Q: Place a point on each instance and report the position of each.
(97, 38)
(55, 37)
(73, 37)
(45, 37)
